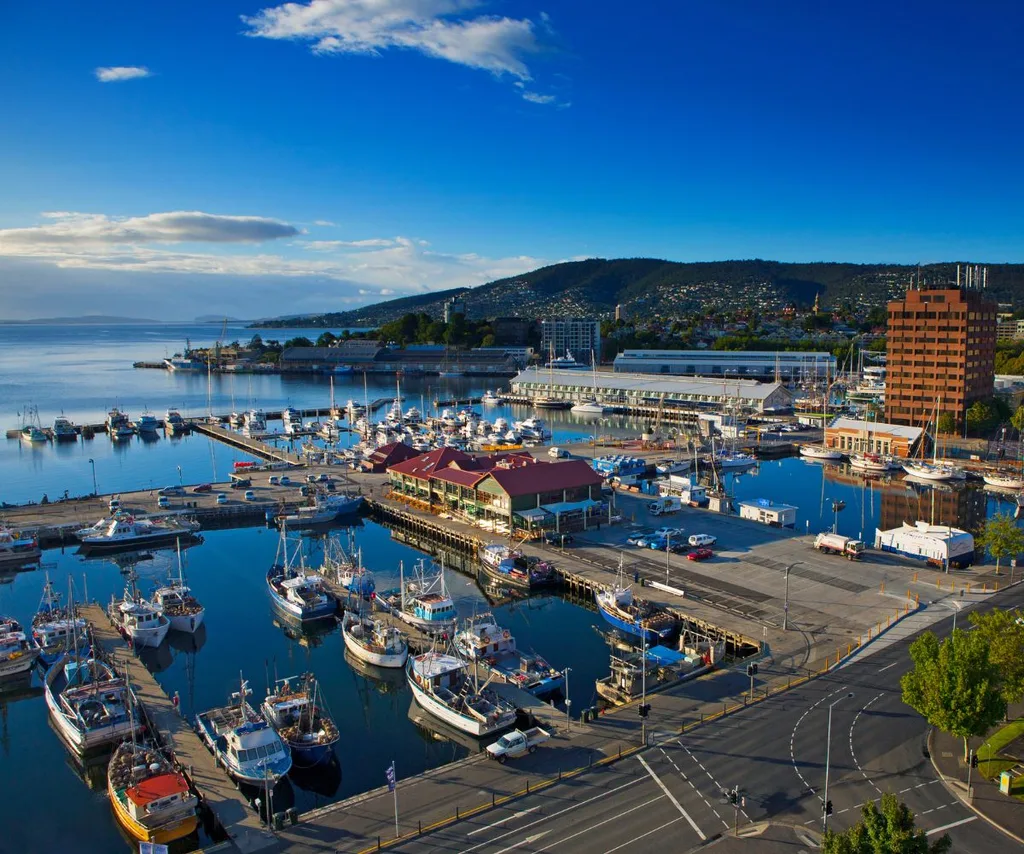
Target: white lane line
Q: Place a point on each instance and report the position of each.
(792, 737)
(638, 838)
(529, 840)
(935, 830)
(670, 796)
(881, 669)
(853, 753)
(698, 791)
(555, 815)
(519, 814)
(590, 827)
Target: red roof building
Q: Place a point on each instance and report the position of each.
(388, 455)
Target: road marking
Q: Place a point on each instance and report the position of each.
(670, 796)
(556, 814)
(853, 753)
(792, 738)
(519, 814)
(527, 841)
(592, 826)
(882, 669)
(638, 838)
(950, 825)
(698, 791)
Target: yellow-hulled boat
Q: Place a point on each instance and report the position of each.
(151, 800)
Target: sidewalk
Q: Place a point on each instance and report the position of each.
(1002, 811)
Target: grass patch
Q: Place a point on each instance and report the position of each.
(991, 762)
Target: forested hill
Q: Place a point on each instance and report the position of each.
(653, 288)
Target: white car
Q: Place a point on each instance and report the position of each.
(250, 495)
(702, 540)
(667, 532)
(222, 498)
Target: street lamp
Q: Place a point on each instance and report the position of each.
(785, 608)
(95, 491)
(180, 481)
(668, 553)
(568, 702)
(828, 748)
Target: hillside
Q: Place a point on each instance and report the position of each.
(655, 288)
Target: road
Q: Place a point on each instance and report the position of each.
(774, 751)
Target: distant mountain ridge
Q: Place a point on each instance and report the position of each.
(654, 288)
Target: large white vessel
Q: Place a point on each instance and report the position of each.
(1004, 480)
(125, 531)
(820, 452)
(139, 621)
(373, 641)
(89, 702)
(255, 422)
(873, 463)
(443, 688)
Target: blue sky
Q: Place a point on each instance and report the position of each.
(254, 158)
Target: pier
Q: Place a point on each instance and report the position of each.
(216, 789)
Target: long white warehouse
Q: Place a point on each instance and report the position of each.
(940, 545)
(785, 365)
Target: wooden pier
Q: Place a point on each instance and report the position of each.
(216, 789)
(256, 447)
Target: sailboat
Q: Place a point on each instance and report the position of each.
(176, 602)
(1008, 478)
(549, 401)
(934, 470)
(590, 406)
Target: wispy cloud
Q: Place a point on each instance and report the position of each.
(119, 73)
(330, 245)
(444, 29)
(536, 98)
(323, 223)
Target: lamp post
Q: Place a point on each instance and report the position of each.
(785, 608)
(668, 553)
(568, 702)
(643, 690)
(828, 747)
(95, 491)
(180, 481)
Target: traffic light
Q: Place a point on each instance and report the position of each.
(828, 807)
(734, 796)
(752, 669)
(974, 760)
(644, 709)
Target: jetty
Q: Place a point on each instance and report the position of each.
(216, 790)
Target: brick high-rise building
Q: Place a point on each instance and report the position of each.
(941, 344)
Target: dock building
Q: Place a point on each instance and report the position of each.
(514, 490)
(871, 437)
(783, 365)
(941, 346)
(678, 394)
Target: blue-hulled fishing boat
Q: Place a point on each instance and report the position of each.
(297, 712)
(295, 591)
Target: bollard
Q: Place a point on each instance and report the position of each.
(419, 824)
(968, 587)
(888, 622)
(378, 843)
(492, 799)
(527, 785)
(984, 587)
(938, 583)
(849, 648)
(914, 579)
(917, 599)
(457, 806)
(883, 588)
(995, 586)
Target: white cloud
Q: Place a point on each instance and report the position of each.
(211, 260)
(119, 73)
(535, 98)
(71, 229)
(445, 29)
(323, 223)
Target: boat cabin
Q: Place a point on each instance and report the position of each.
(434, 607)
(153, 797)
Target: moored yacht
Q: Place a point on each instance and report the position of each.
(64, 430)
(490, 398)
(122, 531)
(18, 651)
(1004, 480)
(255, 422)
(933, 471)
(16, 547)
(872, 463)
(147, 423)
(118, 426)
(174, 423)
(820, 452)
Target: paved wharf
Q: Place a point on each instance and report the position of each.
(216, 789)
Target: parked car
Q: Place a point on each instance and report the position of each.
(274, 480)
(553, 539)
(203, 487)
(250, 495)
(285, 480)
(163, 502)
(668, 532)
(172, 490)
(222, 498)
(323, 477)
(700, 554)
(658, 544)
(635, 538)
(702, 540)
(310, 478)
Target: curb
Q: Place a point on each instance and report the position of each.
(959, 795)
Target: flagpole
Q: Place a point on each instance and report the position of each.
(394, 789)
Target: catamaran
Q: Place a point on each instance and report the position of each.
(300, 718)
(483, 641)
(422, 601)
(241, 740)
(373, 641)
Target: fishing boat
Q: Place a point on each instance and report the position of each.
(124, 531)
(174, 423)
(441, 685)
(325, 508)
(150, 798)
(634, 674)
(241, 740)
(422, 601)
(490, 398)
(483, 641)
(632, 615)
(510, 566)
(298, 714)
(33, 434)
(57, 628)
(820, 452)
(18, 651)
(118, 426)
(176, 602)
(15, 547)
(294, 590)
(346, 569)
(64, 430)
(373, 641)
(89, 702)
(139, 621)
(147, 424)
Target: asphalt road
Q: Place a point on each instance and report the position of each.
(774, 751)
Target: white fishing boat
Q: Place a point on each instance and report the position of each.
(174, 423)
(88, 702)
(17, 548)
(373, 641)
(18, 651)
(441, 685)
(138, 620)
(493, 647)
(176, 602)
(31, 430)
(125, 531)
(820, 452)
(490, 398)
(241, 740)
(57, 628)
(422, 601)
(147, 424)
(64, 430)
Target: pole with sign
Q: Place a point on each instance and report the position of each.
(393, 788)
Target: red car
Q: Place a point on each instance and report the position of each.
(203, 487)
(700, 554)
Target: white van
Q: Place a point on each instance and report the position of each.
(558, 453)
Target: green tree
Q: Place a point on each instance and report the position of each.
(947, 423)
(889, 830)
(1002, 537)
(488, 340)
(1017, 420)
(326, 339)
(300, 341)
(1003, 631)
(954, 685)
(979, 416)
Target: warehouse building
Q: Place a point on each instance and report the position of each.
(784, 365)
